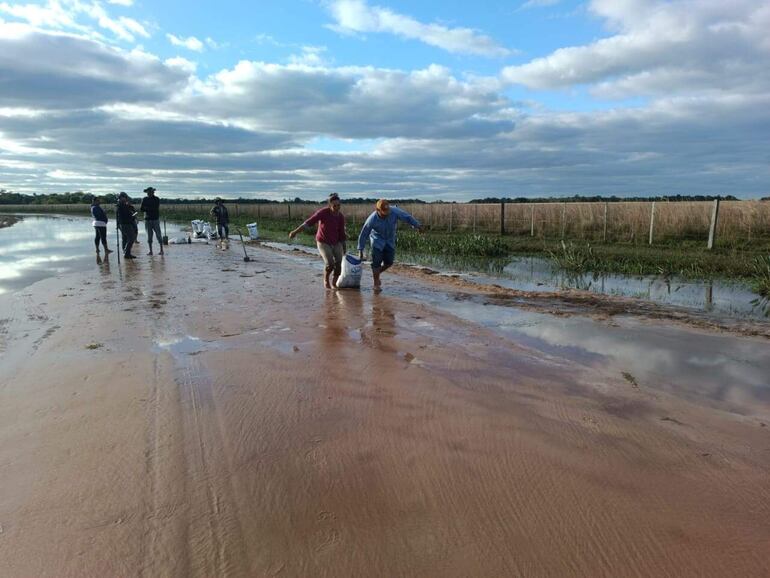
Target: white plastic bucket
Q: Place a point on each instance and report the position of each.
(253, 231)
(197, 228)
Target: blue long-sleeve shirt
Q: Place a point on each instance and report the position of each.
(382, 232)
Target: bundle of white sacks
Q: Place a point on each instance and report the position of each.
(350, 276)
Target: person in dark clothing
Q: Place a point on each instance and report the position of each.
(126, 220)
(223, 219)
(100, 225)
(151, 208)
(134, 222)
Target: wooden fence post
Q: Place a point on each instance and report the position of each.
(502, 218)
(604, 235)
(475, 216)
(713, 227)
(532, 220)
(563, 218)
(288, 210)
(451, 212)
(652, 220)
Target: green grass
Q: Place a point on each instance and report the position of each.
(457, 244)
(688, 259)
(692, 262)
(761, 279)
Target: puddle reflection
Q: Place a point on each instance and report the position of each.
(716, 367)
(42, 246)
(733, 299)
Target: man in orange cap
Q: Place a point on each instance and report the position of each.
(380, 229)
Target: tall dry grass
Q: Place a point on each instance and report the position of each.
(739, 221)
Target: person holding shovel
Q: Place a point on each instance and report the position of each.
(151, 208)
(330, 237)
(125, 217)
(380, 229)
(223, 219)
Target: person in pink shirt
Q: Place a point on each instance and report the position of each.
(330, 237)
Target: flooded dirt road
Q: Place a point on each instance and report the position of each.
(196, 415)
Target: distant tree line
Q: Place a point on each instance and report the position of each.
(79, 198)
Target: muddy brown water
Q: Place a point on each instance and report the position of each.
(195, 415)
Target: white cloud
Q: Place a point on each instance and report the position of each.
(121, 2)
(683, 46)
(191, 43)
(61, 71)
(347, 102)
(181, 63)
(357, 16)
(51, 15)
(63, 15)
(311, 56)
(124, 28)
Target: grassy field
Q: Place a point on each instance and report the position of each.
(734, 257)
(688, 259)
(739, 222)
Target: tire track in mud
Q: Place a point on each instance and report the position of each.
(191, 526)
(164, 547)
(215, 537)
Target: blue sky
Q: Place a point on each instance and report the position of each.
(439, 100)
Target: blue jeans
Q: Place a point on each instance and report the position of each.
(384, 256)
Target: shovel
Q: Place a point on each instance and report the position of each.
(165, 237)
(245, 256)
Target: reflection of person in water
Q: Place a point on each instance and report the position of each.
(343, 313)
(341, 323)
(380, 330)
(383, 317)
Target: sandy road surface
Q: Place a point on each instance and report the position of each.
(201, 416)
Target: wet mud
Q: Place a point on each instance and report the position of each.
(239, 420)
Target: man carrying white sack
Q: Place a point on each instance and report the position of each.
(380, 229)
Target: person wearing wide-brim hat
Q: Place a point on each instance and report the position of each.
(222, 217)
(126, 221)
(151, 208)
